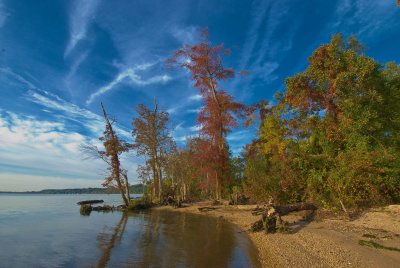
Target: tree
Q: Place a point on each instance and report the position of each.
(216, 118)
(113, 148)
(182, 173)
(152, 140)
(331, 137)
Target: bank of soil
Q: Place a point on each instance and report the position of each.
(371, 240)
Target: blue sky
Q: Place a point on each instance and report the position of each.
(59, 59)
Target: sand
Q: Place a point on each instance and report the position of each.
(326, 241)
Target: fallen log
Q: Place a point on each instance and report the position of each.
(90, 202)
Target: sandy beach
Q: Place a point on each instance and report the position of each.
(327, 241)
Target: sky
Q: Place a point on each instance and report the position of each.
(60, 59)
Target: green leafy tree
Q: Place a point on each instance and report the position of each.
(153, 141)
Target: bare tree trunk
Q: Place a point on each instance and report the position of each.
(159, 183)
(125, 175)
(153, 196)
(118, 180)
(184, 191)
(217, 187)
(208, 181)
(154, 181)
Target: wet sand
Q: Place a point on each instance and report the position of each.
(326, 241)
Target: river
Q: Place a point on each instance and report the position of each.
(48, 231)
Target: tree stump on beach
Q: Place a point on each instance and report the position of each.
(271, 220)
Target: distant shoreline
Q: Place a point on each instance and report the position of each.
(133, 189)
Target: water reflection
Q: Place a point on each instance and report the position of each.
(106, 241)
(168, 239)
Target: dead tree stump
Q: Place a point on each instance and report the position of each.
(271, 220)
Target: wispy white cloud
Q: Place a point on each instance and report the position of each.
(183, 139)
(87, 118)
(182, 106)
(3, 13)
(179, 126)
(241, 135)
(81, 14)
(266, 71)
(172, 110)
(268, 20)
(366, 17)
(18, 77)
(261, 49)
(49, 150)
(195, 128)
(185, 35)
(133, 77)
(74, 68)
(259, 11)
(195, 111)
(182, 133)
(30, 145)
(62, 108)
(195, 97)
(238, 139)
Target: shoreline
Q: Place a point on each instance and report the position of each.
(323, 242)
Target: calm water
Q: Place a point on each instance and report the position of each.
(48, 231)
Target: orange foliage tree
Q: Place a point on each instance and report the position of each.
(217, 117)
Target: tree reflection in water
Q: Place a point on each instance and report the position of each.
(107, 242)
(170, 239)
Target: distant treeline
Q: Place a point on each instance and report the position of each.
(134, 189)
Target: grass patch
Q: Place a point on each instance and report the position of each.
(373, 244)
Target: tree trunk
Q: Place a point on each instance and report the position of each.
(216, 187)
(128, 196)
(118, 179)
(154, 182)
(115, 164)
(159, 184)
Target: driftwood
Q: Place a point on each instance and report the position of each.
(90, 202)
(271, 220)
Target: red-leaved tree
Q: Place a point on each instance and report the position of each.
(217, 117)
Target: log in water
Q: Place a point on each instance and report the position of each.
(90, 202)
